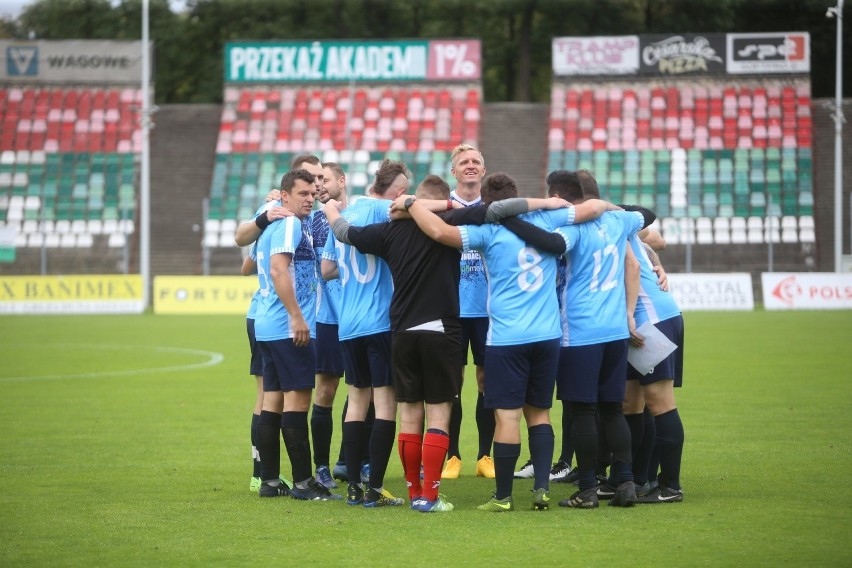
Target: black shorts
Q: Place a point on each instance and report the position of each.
(427, 364)
(670, 368)
(593, 373)
(287, 367)
(367, 360)
(256, 365)
(329, 354)
(475, 332)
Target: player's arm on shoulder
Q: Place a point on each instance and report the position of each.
(434, 226)
(631, 285)
(249, 266)
(279, 265)
(249, 231)
(653, 239)
(592, 209)
(329, 269)
(542, 240)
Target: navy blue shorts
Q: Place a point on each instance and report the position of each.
(367, 360)
(670, 368)
(516, 375)
(474, 331)
(593, 373)
(287, 367)
(329, 355)
(427, 365)
(256, 365)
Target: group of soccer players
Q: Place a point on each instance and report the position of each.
(549, 293)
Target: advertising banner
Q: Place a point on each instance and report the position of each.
(75, 61)
(203, 294)
(780, 52)
(684, 54)
(317, 61)
(603, 55)
(807, 290)
(724, 291)
(78, 294)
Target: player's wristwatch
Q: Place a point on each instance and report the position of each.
(409, 202)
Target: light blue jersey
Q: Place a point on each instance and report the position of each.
(653, 304)
(365, 279)
(522, 305)
(256, 297)
(473, 287)
(593, 303)
(328, 292)
(285, 236)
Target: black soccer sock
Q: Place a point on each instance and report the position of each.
(541, 440)
(642, 455)
(485, 425)
(322, 425)
(381, 446)
(618, 439)
(567, 453)
(636, 424)
(269, 445)
(294, 428)
(368, 432)
(505, 460)
(670, 441)
(584, 434)
(353, 448)
(455, 428)
(340, 457)
(255, 456)
(603, 457)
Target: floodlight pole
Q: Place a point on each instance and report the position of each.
(837, 12)
(145, 181)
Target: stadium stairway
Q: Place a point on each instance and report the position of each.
(513, 139)
(183, 151)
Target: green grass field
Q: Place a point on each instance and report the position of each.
(125, 442)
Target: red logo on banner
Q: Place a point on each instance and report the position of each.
(787, 290)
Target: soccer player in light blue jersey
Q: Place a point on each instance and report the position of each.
(285, 330)
(468, 167)
(522, 348)
(650, 406)
(593, 361)
(365, 337)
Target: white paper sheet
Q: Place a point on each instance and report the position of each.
(657, 347)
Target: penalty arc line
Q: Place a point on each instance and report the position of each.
(213, 358)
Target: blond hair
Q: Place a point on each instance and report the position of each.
(464, 148)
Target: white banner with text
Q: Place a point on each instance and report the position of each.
(710, 291)
(807, 290)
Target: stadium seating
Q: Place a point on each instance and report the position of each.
(68, 155)
(693, 150)
(263, 129)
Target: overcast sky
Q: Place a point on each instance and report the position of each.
(12, 8)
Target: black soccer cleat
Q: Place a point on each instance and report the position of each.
(313, 492)
(662, 495)
(605, 491)
(278, 490)
(624, 496)
(585, 499)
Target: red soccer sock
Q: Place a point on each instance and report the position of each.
(410, 453)
(435, 447)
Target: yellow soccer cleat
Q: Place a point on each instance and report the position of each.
(452, 469)
(485, 468)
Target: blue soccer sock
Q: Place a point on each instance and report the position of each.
(670, 442)
(541, 440)
(505, 459)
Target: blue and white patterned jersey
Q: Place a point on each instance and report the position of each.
(473, 287)
(328, 292)
(365, 279)
(286, 236)
(593, 303)
(522, 305)
(653, 304)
